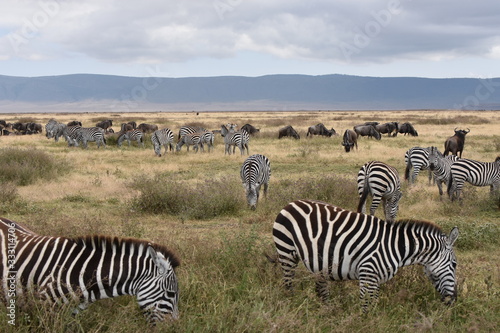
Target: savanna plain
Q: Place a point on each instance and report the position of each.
(194, 204)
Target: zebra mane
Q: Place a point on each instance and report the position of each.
(98, 240)
(428, 225)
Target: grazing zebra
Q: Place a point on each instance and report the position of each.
(207, 137)
(89, 269)
(440, 166)
(474, 172)
(418, 158)
(163, 137)
(133, 135)
(255, 172)
(382, 182)
(72, 135)
(92, 134)
(193, 139)
(238, 139)
(337, 244)
(190, 130)
(55, 130)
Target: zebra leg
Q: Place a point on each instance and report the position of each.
(265, 189)
(322, 288)
(368, 291)
(440, 188)
(375, 203)
(416, 171)
(288, 264)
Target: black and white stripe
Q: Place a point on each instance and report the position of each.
(132, 135)
(54, 129)
(207, 137)
(163, 137)
(193, 139)
(418, 159)
(255, 172)
(91, 134)
(190, 130)
(440, 166)
(337, 244)
(474, 172)
(72, 135)
(382, 182)
(238, 139)
(90, 268)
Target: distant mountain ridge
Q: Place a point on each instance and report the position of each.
(92, 92)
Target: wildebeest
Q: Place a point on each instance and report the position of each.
(105, 124)
(455, 144)
(74, 123)
(391, 128)
(147, 128)
(367, 130)
(288, 131)
(125, 127)
(320, 129)
(349, 140)
(407, 128)
(133, 124)
(250, 129)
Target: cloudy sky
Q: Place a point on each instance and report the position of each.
(181, 38)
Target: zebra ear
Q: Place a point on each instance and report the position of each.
(159, 260)
(453, 236)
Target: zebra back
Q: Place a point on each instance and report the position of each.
(190, 130)
(338, 244)
(90, 268)
(255, 172)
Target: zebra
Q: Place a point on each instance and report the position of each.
(440, 166)
(382, 182)
(474, 172)
(55, 130)
(255, 172)
(163, 137)
(93, 134)
(89, 268)
(238, 139)
(418, 158)
(338, 244)
(207, 137)
(72, 135)
(193, 139)
(190, 130)
(134, 135)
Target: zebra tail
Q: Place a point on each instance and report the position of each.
(407, 170)
(449, 185)
(364, 195)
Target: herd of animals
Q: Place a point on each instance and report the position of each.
(333, 243)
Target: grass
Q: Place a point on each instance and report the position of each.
(195, 204)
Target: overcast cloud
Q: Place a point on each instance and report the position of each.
(250, 37)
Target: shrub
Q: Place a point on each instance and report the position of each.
(25, 166)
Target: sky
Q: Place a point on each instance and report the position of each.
(192, 38)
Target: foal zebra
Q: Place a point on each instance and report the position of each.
(163, 137)
(418, 158)
(337, 244)
(89, 269)
(207, 137)
(255, 172)
(440, 166)
(132, 135)
(474, 172)
(193, 139)
(382, 182)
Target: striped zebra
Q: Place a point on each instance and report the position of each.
(337, 244)
(133, 135)
(163, 137)
(255, 172)
(474, 172)
(55, 130)
(72, 135)
(92, 134)
(418, 159)
(190, 130)
(382, 182)
(238, 139)
(88, 269)
(193, 139)
(440, 166)
(207, 138)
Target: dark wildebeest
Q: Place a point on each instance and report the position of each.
(125, 127)
(133, 124)
(367, 130)
(350, 139)
(391, 128)
(147, 128)
(455, 144)
(288, 131)
(105, 124)
(407, 128)
(250, 129)
(320, 129)
(74, 123)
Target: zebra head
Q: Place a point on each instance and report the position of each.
(434, 154)
(252, 192)
(441, 269)
(158, 295)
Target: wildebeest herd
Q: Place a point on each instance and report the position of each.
(360, 246)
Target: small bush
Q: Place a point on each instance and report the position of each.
(25, 166)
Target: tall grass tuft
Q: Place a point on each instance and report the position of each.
(26, 166)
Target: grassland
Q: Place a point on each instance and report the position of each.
(195, 204)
